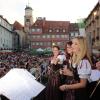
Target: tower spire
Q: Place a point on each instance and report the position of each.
(28, 2)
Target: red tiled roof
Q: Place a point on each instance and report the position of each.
(17, 26)
(38, 24)
(54, 25)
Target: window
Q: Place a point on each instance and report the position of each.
(64, 30)
(97, 37)
(57, 30)
(58, 43)
(34, 36)
(1, 40)
(62, 36)
(38, 36)
(33, 30)
(94, 34)
(58, 36)
(66, 36)
(49, 43)
(48, 36)
(50, 30)
(53, 36)
(97, 31)
(41, 43)
(27, 20)
(44, 36)
(72, 34)
(0, 20)
(38, 30)
(37, 43)
(76, 34)
(45, 43)
(33, 43)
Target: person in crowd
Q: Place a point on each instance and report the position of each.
(94, 85)
(81, 64)
(56, 63)
(95, 74)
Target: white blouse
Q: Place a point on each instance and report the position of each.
(84, 69)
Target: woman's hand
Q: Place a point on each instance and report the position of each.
(66, 71)
(62, 87)
(48, 70)
(60, 71)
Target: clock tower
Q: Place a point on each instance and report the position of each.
(28, 19)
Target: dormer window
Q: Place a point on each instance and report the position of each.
(38, 30)
(57, 30)
(33, 30)
(64, 30)
(50, 30)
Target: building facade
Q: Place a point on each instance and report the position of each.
(28, 22)
(45, 34)
(28, 18)
(73, 30)
(93, 28)
(6, 35)
(81, 25)
(17, 27)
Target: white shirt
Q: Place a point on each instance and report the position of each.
(84, 69)
(95, 75)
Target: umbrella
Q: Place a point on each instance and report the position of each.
(19, 84)
(40, 50)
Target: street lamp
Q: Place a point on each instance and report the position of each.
(53, 44)
(95, 13)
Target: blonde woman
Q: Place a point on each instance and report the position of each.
(81, 64)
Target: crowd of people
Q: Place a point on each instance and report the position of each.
(69, 74)
(22, 60)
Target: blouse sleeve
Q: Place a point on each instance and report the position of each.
(84, 69)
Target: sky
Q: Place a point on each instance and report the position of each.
(64, 10)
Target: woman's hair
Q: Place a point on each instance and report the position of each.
(56, 47)
(67, 43)
(84, 52)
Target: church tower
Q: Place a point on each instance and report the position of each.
(28, 18)
(28, 22)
